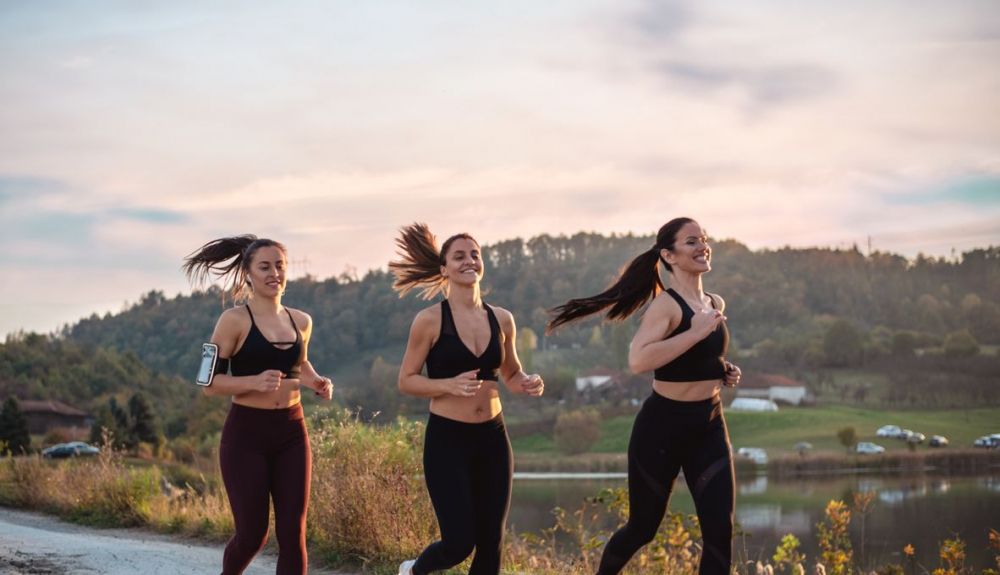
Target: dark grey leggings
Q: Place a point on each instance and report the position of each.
(669, 436)
(468, 468)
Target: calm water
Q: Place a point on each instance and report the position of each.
(921, 511)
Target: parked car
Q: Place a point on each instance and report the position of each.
(987, 441)
(916, 437)
(868, 448)
(755, 454)
(938, 441)
(71, 449)
(888, 431)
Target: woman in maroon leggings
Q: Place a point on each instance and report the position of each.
(264, 453)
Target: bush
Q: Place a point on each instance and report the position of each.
(960, 344)
(577, 431)
(368, 497)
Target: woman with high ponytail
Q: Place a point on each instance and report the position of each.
(264, 452)
(466, 347)
(683, 338)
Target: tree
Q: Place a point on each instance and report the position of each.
(848, 436)
(842, 344)
(145, 428)
(121, 431)
(903, 343)
(104, 420)
(527, 342)
(960, 344)
(620, 341)
(14, 428)
(596, 337)
(577, 431)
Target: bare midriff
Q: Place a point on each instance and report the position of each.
(483, 406)
(286, 396)
(688, 390)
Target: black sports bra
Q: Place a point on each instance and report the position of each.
(449, 357)
(704, 360)
(257, 354)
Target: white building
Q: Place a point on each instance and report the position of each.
(596, 378)
(752, 404)
(772, 387)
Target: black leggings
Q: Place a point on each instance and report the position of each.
(264, 454)
(669, 436)
(468, 469)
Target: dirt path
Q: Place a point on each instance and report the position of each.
(33, 544)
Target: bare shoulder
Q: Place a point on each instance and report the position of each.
(428, 318)
(234, 317)
(302, 319)
(663, 305)
(720, 304)
(504, 317)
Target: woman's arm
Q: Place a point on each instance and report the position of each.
(227, 334)
(308, 377)
(649, 349)
(412, 381)
(510, 370)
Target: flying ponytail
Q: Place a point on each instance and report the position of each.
(211, 260)
(420, 261)
(639, 283)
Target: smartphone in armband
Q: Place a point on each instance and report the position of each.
(209, 357)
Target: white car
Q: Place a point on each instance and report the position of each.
(868, 448)
(987, 441)
(916, 437)
(888, 431)
(755, 454)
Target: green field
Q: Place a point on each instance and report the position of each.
(779, 432)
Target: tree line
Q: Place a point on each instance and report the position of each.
(788, 309)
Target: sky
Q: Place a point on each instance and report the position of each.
(133, 132)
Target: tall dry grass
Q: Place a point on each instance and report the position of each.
(369, 507)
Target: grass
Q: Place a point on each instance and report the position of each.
(369, 507)
(779, 432)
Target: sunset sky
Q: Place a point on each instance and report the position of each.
(133, 132)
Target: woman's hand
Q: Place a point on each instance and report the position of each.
(733, 375)
(706, 321)
(464, 384)
(323, 387)
(531, 384)
(266, 381)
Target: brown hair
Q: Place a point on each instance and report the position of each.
(210, 260)
(420, 260)
(635, 286)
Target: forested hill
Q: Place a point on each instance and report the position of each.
(782, 295)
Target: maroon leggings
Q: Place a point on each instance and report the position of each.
(265, 455)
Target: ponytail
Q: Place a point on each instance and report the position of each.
(637, 284)
(210, 260)
(420, 261)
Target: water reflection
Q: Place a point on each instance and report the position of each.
(921, 511)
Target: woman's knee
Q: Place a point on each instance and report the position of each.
(456, 550)
(251, 539)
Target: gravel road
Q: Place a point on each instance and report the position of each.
(33, 544)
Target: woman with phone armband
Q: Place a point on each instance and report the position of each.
(264, 452)
(682, 337)
(465, 345)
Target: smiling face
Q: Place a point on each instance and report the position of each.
(691, 251)
(266, 272)
(463, 263)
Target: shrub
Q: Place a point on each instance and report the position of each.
(577, 431)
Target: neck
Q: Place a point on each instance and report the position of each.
(687, 285)
(465, 296)
(265, 305)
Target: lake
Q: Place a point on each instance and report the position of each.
(921, 510)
